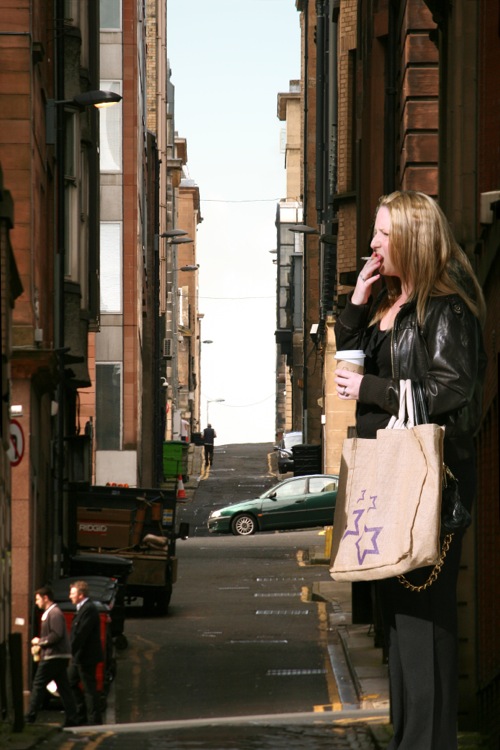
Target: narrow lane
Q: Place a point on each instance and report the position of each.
(240, 639)
(241, 661)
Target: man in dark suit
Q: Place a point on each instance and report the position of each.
(86, 652)
(209, 436)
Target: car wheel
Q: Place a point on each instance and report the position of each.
(243, 525)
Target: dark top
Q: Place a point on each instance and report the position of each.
(54, 639)
(208, 435)
(444, 355)
(370, 417)
(86, 645)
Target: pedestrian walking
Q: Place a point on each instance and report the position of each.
(87, 652)
(425, 326)
(51, 649)
(209, 436)
(184, 430)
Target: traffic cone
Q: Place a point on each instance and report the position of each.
(181, 492)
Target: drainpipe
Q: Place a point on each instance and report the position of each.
(59, 289)
(320, 109)
(329, 270)
(159, 401)
(304, 209)
(333, 106)
(390, 107)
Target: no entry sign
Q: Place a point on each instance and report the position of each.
(16, 449)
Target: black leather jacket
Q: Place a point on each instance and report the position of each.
(445, 355)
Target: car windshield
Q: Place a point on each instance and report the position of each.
(294, 438)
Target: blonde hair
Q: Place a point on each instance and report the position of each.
(427, 256)
(82, 587)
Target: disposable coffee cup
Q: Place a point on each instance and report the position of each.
(351, 359)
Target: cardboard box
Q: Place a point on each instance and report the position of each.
(103, 527)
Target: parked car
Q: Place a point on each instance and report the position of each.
(284, 448)
(295, 503)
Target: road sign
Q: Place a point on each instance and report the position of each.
(16, 449)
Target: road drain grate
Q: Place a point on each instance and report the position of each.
(293, 595)
(282, 612)
(276, 578)
(293, 672)
(261, 641)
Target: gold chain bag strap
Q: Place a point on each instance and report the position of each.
(454, 515)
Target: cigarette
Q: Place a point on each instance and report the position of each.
(366, 257)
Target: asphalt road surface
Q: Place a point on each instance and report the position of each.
(241, 660)
(239, 472)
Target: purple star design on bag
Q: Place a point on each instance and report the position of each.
(362, 553)
(358, 514)
(364, 545)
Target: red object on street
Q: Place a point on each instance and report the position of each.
(181, 492)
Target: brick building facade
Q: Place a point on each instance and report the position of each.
(411, 101)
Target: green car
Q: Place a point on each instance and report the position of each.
(296, 503)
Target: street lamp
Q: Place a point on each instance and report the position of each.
(303, 229)
(179, 240)
(188, 267)
(97, 99)
(173, 233)
(213, 401)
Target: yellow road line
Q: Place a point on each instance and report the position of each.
(333, 691)
(270, 470)
(89, 745)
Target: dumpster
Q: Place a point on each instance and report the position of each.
(306, 459)
(92, 564)
(175, 458)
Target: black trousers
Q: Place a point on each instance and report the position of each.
(422, 643)
(421, 633)
(209, 453)
(82, 679)
(48, 670)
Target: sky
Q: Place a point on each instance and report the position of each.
(229, 60)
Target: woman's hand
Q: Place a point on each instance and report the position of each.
(348, 384)
(367, 277)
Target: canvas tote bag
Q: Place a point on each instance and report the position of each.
(387, 515)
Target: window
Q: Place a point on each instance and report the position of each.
(292, 489)
(71, 197)
(108, 406)
(323, 484)
(110, 134)
(298, 312)
(111, 267)
(71, 12)
(183, 313)
(84, 227)
(111, 15)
